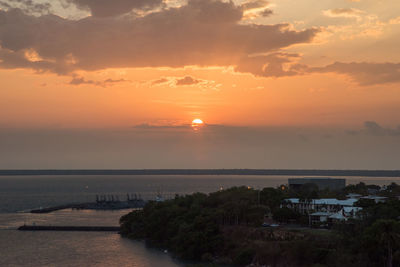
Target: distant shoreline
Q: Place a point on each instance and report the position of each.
(278, 172)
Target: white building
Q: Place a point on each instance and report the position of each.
(330, 218)
(330, 205)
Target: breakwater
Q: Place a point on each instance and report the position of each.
(93, 206)
(103, 202)
(70, 228)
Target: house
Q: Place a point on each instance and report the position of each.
(329, 218)
(353, 195)
(330, 205)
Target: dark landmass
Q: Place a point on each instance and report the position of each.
(111, 205)
(286, 172)
(70, 228)
(225, 227)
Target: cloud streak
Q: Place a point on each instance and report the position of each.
(77, 80)
(364, 73)
(107, 8)
(188, 80)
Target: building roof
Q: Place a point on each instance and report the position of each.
(326, 201)
(353, 195)
(321, 213)
(345, 213)
(374, 197)
(350, 209)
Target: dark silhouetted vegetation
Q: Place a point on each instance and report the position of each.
(225, 228)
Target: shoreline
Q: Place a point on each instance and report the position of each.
(266, 172)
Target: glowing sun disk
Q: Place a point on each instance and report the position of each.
(197, 121)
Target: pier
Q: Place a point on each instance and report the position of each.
(103, 202)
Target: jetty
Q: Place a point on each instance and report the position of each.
(103, 202)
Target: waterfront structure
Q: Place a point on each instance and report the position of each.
(330, 218)
(321, 182)
(331, 205)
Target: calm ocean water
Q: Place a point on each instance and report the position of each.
(21, 193)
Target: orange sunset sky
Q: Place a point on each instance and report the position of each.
(279, 84)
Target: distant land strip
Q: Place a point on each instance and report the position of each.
(278, 172)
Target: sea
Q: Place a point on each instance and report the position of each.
(20, 194)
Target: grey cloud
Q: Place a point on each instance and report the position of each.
(217, 147)
(364, 73)
(160, 81)
(147, 126)
(77, 80)
(202, 32)
(272, 65)
(371, 127)
(257, 4)
(188, 80)
(339, 11)
(266, 12)
(375, 129)
(107, 8)
(254, 4)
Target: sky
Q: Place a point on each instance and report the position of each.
(279, 84)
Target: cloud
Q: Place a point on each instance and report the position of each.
(77, 80)
(343, 12)
(220, 146)
(255, 8)
(373, 128)
(28, 6)
(273, 65)
(188, 80)
(160, 81)
(364, 73)
(201, 32)
(266, 12)
(163, 125)
(254, 4)
(107, 8)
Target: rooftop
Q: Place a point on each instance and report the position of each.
(326, 201)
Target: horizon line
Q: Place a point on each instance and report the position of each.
(217, 171)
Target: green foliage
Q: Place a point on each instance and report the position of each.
(286, 215)
(272, 198)
(190, 225)
(244, 257)
(226, 225)
(365, 203)
(389, 210)
(360, 188)
(382, 238)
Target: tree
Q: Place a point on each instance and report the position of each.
(385, 233)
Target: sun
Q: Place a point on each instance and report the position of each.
(197, 124)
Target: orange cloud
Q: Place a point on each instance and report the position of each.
(202, 32)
